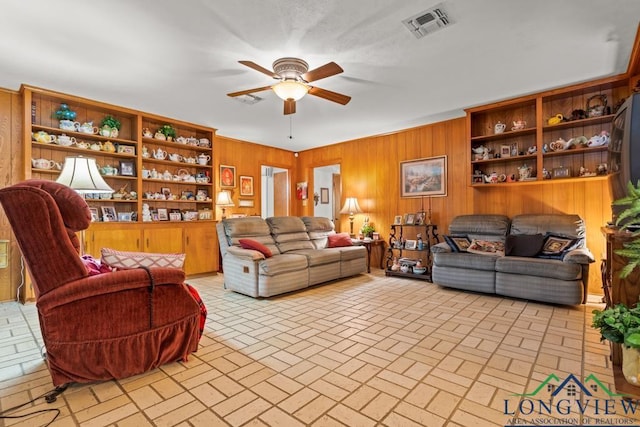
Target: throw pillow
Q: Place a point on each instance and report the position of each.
(486, 247)
(458, 243)
(256, 246)
(339, 240)
(525, 245)
(127, 260)
(556, 246)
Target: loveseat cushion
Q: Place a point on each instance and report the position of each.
(289, 233)
(319, 229)
(484, 227)
(465, 260)
(539, 268)
(568, 225)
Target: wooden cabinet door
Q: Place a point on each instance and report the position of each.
(201, 248)
(164, 240)
(121, 239)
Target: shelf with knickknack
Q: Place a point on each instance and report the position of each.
(542, 138)
(411, 257)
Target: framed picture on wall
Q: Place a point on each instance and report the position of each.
(246, 185)
(424, 177)
(324, 196)
(301, 191)
(227, 176)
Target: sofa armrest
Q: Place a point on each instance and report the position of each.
(249, 254)
(579, 256)
(441, 247)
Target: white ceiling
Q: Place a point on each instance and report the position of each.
(179, 58)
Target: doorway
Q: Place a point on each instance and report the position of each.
(275, 191)
(327, 191)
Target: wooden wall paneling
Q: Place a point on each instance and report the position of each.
(11, 165)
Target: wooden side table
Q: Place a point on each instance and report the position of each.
(369, 244)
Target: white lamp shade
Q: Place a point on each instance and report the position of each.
(224, 199)
(290, 89)
(81, 174)
(351, 206)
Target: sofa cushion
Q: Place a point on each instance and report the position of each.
(539, 268)
(526, 245)
(289, 233)
(485, 227)
(467, 261)
(319, 256)
(319, 229)
(458, 243)
(256, 246)
(486, 247)
(282, 263)
(339, 240)
(568, 225)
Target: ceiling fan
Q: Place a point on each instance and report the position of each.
(293, 81)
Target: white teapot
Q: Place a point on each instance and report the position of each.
(86, 127)
(203, 159)
(159, 154)
(175, 157)
(43, 163)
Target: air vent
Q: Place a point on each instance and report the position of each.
(428, 21)
(248, 99)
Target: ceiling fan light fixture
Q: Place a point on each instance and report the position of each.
(290, 89)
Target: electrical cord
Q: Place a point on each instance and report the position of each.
(49, 397)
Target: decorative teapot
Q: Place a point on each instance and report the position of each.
(559, 145)
(491, 179)
(175, 157)
(109, 147)
(69, 125)
(43, 163)
(204, 142)
(181, 140)
(108, 170)
(86, 127)
(524, 172)
(189, 159)
(160, 135)
(65, 140)
(145, 152)
(599, 140)
(555, 119)
(167, 176)
(43, 137)
(159, 154)
(519, 125)
(96, 146)
(499, 127)
(146, 132)
(203, 159)
(108, 131)
(83, 144)
(146, 173)
(395, 266)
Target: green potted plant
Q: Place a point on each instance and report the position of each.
(110, 126)
(629, 219)
(168, 131)
(621, 325)
(367, 229)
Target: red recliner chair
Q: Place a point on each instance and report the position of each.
(100, 327)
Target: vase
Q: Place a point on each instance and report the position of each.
(631, 364)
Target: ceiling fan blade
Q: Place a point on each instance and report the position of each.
(327, 70)
(331, 96)
(259, 68)
(289, 106)
(248, 91)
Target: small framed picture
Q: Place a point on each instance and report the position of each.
(410, 219)
(376, 236)
(410, 244)
(190, 215)
(561, 172)
(166, 192)
(397, 220)
(246, 185)
(301, 190)
(109, 214)
(419, 218)
(127, 149)
(127, 168)
(324, 196)
(245, 203)
(227, 176)
(95, 217)
(124, 216)
(163, 214)
(175, 216)
(505, 151)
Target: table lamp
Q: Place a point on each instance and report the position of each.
(351, 207)
(81, 174)
(224, 200)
